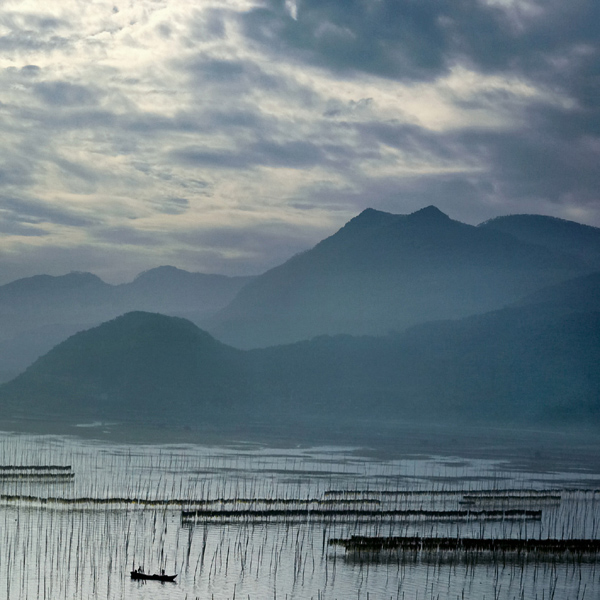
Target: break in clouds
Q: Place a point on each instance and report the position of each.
(226, 136)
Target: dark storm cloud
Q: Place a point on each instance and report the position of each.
(389, 38)
(404, 39)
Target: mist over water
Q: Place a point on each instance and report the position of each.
(250, 521)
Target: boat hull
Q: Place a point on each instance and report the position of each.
(155, 577)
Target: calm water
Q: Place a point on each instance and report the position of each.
(58, 541)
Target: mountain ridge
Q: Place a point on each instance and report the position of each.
(382, 272)
(35, 310)
(526, 364)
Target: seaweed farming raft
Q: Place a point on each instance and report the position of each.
(47, 473)
(549, 549)
(308, 514)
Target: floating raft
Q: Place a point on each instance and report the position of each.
(517, 493)
(62, 468)
(202, 515)
(36, 472)
(367, 544)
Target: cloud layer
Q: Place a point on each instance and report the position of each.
(225, 136)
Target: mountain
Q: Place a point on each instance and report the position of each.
(136, 366)
(175, 291)
(383, 272)
(533, 363)
(38, 312)
(558, 235)
(43, 299)
(581, 294)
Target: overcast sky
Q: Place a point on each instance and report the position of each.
(225, 136)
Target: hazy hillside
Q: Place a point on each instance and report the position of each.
(38, 312)
(555, 234)
(531, 363)
(380, 273)
(580, 294)
(137, 366)
(383, 272)
(175, 291)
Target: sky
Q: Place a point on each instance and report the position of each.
(226, 136)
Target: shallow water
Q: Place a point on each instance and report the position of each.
(58, 541)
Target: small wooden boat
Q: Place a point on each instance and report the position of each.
(155, 577)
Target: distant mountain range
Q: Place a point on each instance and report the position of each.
(38, 312)
(392, 317)
(531, 363)
(383, 272)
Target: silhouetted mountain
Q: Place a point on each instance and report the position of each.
(44, 294)
(383, 272)
(34, 302)
(139, 365)
(530, 363)
(38, 312)
(555, 234)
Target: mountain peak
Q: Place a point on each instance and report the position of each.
(370, 217)
(431, 214)
(162, 271)
(72, 280)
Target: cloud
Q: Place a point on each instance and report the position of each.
(272, 122)
(11, 227)
(290, 154)
(388, 38)
(172, 206)
(14, 172)
(29, 211)
(127, 236)
(251, 248)
(402, 39)
(63, 93)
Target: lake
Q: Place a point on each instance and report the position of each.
(246, 520)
